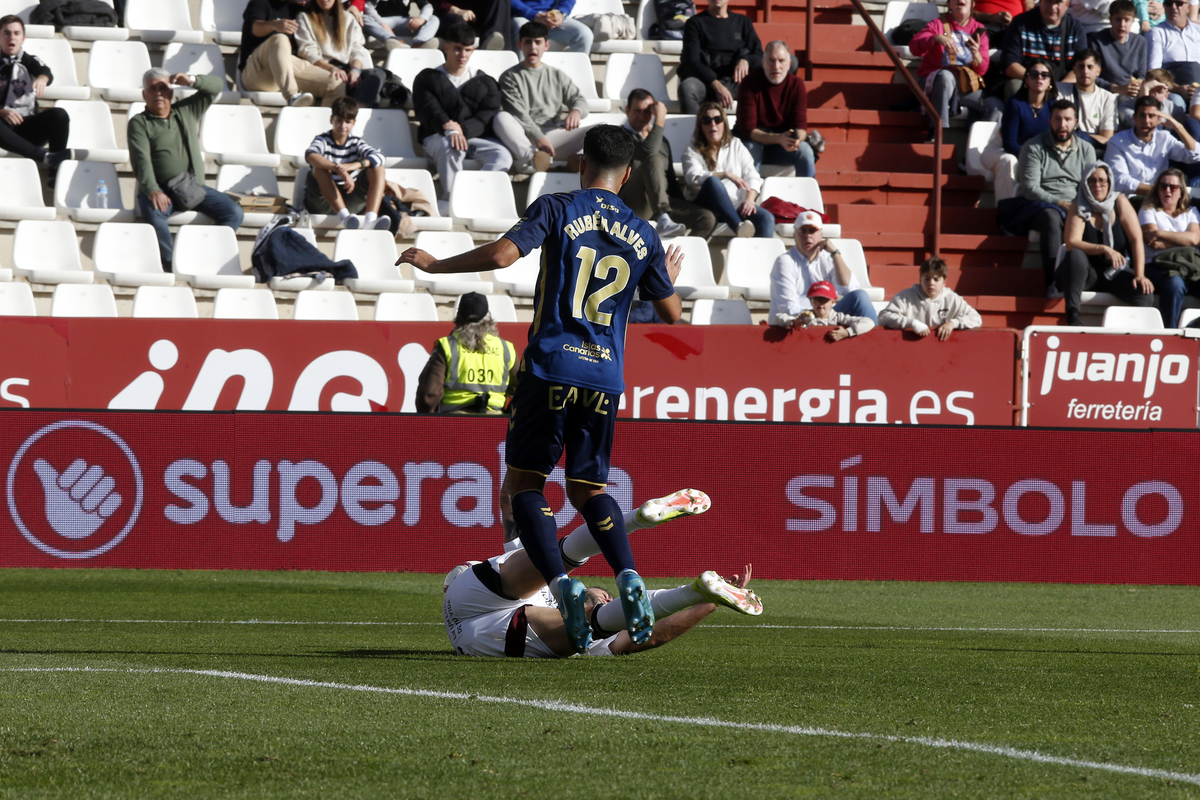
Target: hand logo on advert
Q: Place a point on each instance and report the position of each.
(79, 500)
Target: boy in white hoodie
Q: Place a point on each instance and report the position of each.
(929, 304)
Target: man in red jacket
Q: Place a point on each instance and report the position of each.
(772, 115)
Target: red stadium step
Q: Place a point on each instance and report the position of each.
(825, 36)
(1018, 312)
(860, 218)
(854, 66)
(880, 157)
(887, 126)
(965, 280)
(957, 251)
(795, 11)
(890, 188)
(849, 94)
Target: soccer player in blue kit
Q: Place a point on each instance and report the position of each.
(595, 254)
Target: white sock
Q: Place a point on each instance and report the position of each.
(665, 602)
(343, 215)
(369, 219)
(579, 545)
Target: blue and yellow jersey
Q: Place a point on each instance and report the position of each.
(595, 254)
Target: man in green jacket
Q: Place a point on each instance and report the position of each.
(164, 148)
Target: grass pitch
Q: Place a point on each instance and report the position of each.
(156, 684)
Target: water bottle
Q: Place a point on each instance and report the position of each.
(305, 220)
(101, 195)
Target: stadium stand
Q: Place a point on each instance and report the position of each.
(163, 302)
(222, 20)
(696, 281)
(374, 256)
(445, 245)
(126, 254)
(75, 192)
(197, 59)
(235, 135)
(22, 9)
(161, 21)
(392, 307)
(244, 304)
(85, 33)
(23, 197)
(242, 179)
(520, 279)
(625, 72)
(93, 137)
(578, 67)
(501, 308)
(47, 252)
(494, 62)
(115, 70)
(483, 201)
(60, 58)
(720, 312)
(584, 8)
(748, 266)
(646, 19)
(16, 300)
(76, 300)
(327, 306)
(1132, 318)
(206, 256)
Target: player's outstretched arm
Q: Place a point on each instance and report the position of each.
(497, 255)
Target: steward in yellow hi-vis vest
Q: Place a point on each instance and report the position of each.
(470, 371)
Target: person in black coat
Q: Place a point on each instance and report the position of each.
(719, 50)
(24, 130)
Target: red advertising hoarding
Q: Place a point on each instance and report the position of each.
(741, 373)
(400, 492)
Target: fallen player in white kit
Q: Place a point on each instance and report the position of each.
(502, 607)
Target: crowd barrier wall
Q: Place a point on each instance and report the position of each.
(393, 492)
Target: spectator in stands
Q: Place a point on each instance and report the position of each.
(1092, 15)
(1123, 54)
(332, 40)
(822, 295)
(719, 50)
(996, 15)
(1175, 46)
(472, 349)
(555, 15)
(382, 18)
(546, 107)
(772, 114)
(930, 305)
(267, 58)
(491, 19)
(1046, 33)
(1159, 84)
(811, 260)
(1049, 171)
(953, 41)
(23, 77)
(164, 149)
(1138, 155)
(719, 174)
(1104, 249)
(1169, 220)
(455, 108)
(1026, 114)
(336, 184)
(653, 191)
(1096, 107)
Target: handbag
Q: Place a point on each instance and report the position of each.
(967, 78)
(185, 191)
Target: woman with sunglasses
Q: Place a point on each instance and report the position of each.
(1026, 114)
(719, 174)
(1169, 221)
(1103, 245)
(954, 40)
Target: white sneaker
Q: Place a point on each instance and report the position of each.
(494, 41)
(745, 230)
(382, 223)
(396, 44)
(676, 504)
(300, 100)
(668, 227)
(715, 589)
(352, 223)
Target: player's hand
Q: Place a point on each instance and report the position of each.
(419, 259)
(674, 262)
(182, 79)
(743, 580)
(79, 500)
(660, 113)
(573, 119)
(740, 70)
(837, 334)
(10, 117)
(544, 145)
(724, 97)
(944, 330)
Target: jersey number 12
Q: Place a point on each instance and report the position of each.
(591, 308)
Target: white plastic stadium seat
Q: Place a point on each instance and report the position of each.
(578, 67)
(1188, 316)
(260, 99)
(444, 245)
(325, 306)
(494, 62)
(501, 308)
(696, 280)
(1132, 318)
(679, 131)
(980, 135)
(628, 71)
(75, 192)
(175, 302)
(126, 254)
(22, 9)
(898, 11)
(72, 300)
(59, 57)
(198, 59)
(222, 20)
(48, 252)
(720, 312)
(92, 135)
(296, 128)
(393, 307)
(387, 129)
(16, 300)
(22, 196)
(748, 265)
(484, 201)
(161, 21)
(407, 63)
(206, 256)
(115, 70)
(856, 260)
(520, 279)
(586, 7)
(89, 33)
(234, 135)
(374, 256)
(541, 183)
(249, 180)
(422, 181)
(804, 192)
(646, 17)
(244, 304)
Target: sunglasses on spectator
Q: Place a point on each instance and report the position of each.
(1038, 75)
(711, 120)
(1175, 3)
(1170, 187)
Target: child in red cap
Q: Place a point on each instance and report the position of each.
(823, 295)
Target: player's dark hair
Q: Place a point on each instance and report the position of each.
(608, 148)
(459, 33)
(1122, 8)
(1063, 104)
(7, 19)
(1087, 53)
(935, 267)
(533, 30)
(1142, 102)
(344, 107)
(637, 96)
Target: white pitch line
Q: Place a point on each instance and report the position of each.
(207, 622)
(710, 722)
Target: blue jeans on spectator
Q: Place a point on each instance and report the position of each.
(217, 206)
(714, 197)
(802, 158)
(857, 303)
(399, 25)
(1171, 289)
(572, 34)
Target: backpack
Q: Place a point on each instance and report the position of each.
(672, 15)
(903, 33)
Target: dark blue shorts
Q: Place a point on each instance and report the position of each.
(546, 417)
